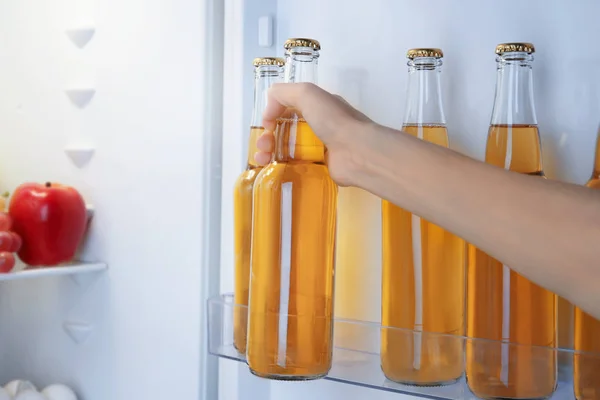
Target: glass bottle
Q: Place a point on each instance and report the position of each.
(511, 313)
(594, 181)
(267, 70)
(423, 282)
(290, 327)
(586, 366)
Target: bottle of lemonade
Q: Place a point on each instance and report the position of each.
(423, 283)
(586, 365)
(267, 70)
(512, 314)
(290, 325)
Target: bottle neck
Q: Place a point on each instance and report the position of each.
(301, 65)
(513, 103)
(295, 140)
(264, 77)
(424, 94)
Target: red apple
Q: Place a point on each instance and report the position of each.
(51, 221)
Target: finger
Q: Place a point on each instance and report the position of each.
(279, 99)
(262, 157)
(282, 96)
(266, 142)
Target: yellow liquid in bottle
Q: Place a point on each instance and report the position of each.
(290, 329)
(358, 266)
(586, 366)
(423, 289)
(503, 306)
(242, 236)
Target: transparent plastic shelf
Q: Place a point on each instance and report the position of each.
(75, 269)
(534, 372)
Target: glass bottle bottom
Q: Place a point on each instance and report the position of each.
(586, 382)
(421, 384)
(484, 397)
(278, 377)
(422, 359)
(240, 349)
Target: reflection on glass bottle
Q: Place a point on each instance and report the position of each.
(267, 70)
(423, 283)
(586, 367)
(502, 305)
(290, 326)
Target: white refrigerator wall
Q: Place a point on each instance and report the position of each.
(154, 122)
(363, 59)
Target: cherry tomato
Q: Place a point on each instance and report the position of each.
(5, 221)
(6, 241)
(7, 262)
(16, 242)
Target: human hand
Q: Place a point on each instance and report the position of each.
(338, 125)
(10, 243)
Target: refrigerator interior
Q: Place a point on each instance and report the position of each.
(363, 59)
(168, 121)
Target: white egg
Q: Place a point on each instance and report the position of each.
(30, 395)
(17, 386)
(58, 392)
(4, 395)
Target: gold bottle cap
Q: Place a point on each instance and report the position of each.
(277, 61)
(515, 47)
(422, 52)
(302, 42)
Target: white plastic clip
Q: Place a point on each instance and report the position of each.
(78, 331)
(265, 31)
(80, 97)
(80, 36)
(80, 155)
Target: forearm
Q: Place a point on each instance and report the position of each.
(547, 231)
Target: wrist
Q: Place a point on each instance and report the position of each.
(363, 150)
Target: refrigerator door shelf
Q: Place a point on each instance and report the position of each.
(356, 354)
(80, 272)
